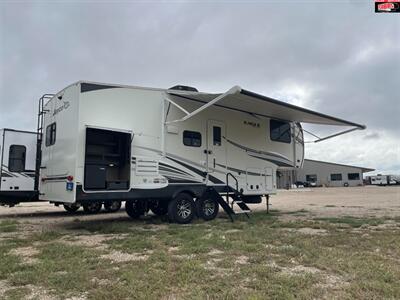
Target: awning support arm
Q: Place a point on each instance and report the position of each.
(234, 90)
(337, 134)
(177, 105)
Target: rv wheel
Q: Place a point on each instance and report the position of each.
(181, 209)
(134, 208)
(207, 209)
(71, 208)
(92, 208)
(112, 205)
(159, 207)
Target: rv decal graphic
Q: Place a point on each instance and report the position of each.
(65, 106)
(272, 157)
(252, 124)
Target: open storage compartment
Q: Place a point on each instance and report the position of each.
(107, 160)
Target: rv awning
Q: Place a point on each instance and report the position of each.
(246, 101)
(249, 102)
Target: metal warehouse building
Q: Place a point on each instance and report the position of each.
(331, 174)
(323, 174)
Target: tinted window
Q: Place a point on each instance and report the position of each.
(191, 138)
(51, 134)
(353, 176)
(217, 136)
(336, 177)
(311, 178)
(280, 131)
(16, 158)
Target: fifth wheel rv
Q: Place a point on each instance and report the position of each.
(173, 151)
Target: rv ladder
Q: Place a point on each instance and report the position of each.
(39, 136)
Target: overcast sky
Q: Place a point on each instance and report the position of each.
(337, 57)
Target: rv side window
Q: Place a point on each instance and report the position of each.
(217, 136)
(16, 158)
(51, 134)
(353, 176)
(280, 131)
(192, 138)
(336, 177)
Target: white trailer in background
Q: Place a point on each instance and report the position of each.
(18, 160)
(383, 180)
(175, 151)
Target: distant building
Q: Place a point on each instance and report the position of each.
(322, 173)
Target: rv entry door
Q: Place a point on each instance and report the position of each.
(216, 146)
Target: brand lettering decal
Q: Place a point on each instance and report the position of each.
(253, 124)
(61, 108)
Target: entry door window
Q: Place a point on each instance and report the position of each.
(217, 136)
(16, 158)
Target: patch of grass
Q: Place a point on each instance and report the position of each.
(16, 293)
(353, 221)
(8, 226)
(45, 236)
(247, 259)
(330, 205)
(63, 268)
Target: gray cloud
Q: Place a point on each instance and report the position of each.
(339, 58)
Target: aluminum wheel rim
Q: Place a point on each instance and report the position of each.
(184, 209)
(209, 207)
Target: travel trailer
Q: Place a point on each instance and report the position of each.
(18, 155)
(18, 160)
(172, 151)
(383, 180)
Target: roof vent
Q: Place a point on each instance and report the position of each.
(183, 88)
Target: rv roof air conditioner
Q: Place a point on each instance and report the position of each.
(184, 88)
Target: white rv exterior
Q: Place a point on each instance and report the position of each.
(174, 151)
(383, 179)
(160, 161)
(18, 158)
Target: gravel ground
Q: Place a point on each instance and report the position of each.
(367, 201)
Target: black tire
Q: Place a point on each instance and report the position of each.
(92, 208)
(181, 209)
(71, 208)
(134, 208)
(112, 205)
(159, 208)
(207, 208)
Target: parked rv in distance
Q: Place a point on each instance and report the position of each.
(173, 151)
(383, 179)
(17, 162)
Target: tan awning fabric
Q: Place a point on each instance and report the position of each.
(249, 102)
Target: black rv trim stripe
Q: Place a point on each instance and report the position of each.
(256, 151)
(165, 166)
(87, 87)
(170, 180)
(55, 178)
(197, 171)
(165, 170)
(276, 162)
